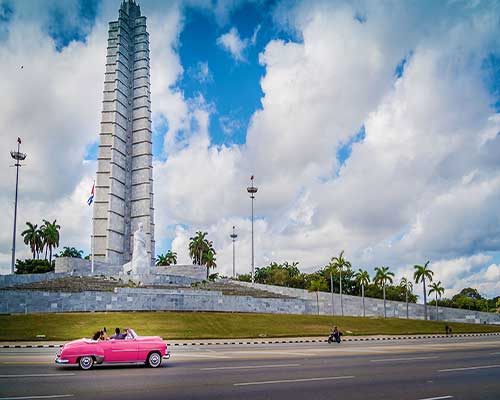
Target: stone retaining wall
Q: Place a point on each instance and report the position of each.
(141, 299)
(353, 306)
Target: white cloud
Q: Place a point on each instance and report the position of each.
(232, 43)
(423, 184)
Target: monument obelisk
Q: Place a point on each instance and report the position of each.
(124, 185)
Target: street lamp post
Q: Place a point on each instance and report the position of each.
(233, 236)
(252, 190)
(18, 156)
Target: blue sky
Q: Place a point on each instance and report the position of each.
(374, 127)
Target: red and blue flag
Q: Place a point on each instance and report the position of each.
(91, 198)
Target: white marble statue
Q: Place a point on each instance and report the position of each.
(141, 262)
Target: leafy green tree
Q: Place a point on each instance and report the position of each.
(382, 277)
(33, 267)
(363, 279)
(407, 286)
(469, 292)
(70, 252)
(498, 303)
(421, 274)
(209, 261)
(50, 232)
(338, 263)
(438, 290)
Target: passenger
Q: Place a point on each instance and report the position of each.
(97, 335)
(336, 334)
(104, 334)
(129, 334)
(118, 335)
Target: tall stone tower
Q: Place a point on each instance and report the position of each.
(124, 186)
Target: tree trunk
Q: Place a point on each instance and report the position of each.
(425, 301)
(363, 296)
(406, 302)
(437, 314)
(383, 289)
(341, 301)
(317, 301)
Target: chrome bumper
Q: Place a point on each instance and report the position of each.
(167, 355)
(60, 361)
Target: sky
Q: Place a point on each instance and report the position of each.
(370, 127)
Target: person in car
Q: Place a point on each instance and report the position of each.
(118, 335)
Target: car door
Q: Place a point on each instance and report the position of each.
(123, 350)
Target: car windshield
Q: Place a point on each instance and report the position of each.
(131, 334)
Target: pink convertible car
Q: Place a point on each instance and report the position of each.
(134, 349)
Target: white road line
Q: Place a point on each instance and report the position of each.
(251, 367)
(54, 396)
(327, 378)
(438, 398)
(470, 368)
(34, 375)
(195, 356)
(403, 359)
(495, 353)
(271, 352)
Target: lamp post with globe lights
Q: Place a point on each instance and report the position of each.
(18, 157)
(233, 236)
(252, 190)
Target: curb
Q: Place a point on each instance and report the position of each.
(220, 343)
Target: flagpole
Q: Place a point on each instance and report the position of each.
(93, 235)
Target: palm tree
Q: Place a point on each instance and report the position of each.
(31, 237)
(50, 236)
(339, 263)
(408, 287)
(197, 246)
(436, 288)
(70, 252)
(363, 279)
(209, 261)
(382, 277)
(316, 286)
(171, 257)
(420, 275)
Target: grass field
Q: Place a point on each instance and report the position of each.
(205, 325)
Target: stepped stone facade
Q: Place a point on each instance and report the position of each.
(124, 185)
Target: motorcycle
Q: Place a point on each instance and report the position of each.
(334, 338)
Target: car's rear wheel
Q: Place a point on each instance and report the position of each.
(86, 362)
(154, 359)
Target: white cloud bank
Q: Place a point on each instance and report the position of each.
(423, 184)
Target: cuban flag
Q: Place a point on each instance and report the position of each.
(91, 198)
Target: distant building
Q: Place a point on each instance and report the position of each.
(124, 185)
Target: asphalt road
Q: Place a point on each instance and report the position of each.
(451, 368)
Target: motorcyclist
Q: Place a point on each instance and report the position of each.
(334, 335)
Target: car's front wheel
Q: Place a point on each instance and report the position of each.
(154, 359)
(86, 362)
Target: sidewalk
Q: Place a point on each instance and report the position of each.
(218, 342)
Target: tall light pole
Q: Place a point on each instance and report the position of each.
(252, 190)
(18, 156)
(233, 236)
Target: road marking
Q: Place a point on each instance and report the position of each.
(251, 367)
(34, 375)
(271, 352)
(196, 356)
(470, 368)
(402, 359)
(438, 398)
(54, 396)
(496, 353)
(327, 378)
(25, 363)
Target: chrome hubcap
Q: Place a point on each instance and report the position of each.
(86, 362)
(154, 359)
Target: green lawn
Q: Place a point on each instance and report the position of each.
(206, 325)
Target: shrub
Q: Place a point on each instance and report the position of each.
(33, 266)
